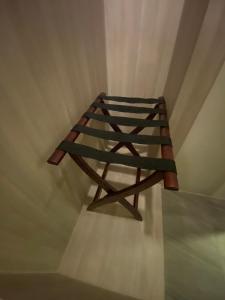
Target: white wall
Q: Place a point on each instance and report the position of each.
(187, 36)
(175, 48)
(52, 65)
(205, 63)
(140, 38)
(201, 159)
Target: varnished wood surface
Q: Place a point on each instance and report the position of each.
(170, 178)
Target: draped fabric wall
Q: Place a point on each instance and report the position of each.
(52, 65)
(201, 160)
(176, 49)
(140, 38)
(55, 57)
(197, 123)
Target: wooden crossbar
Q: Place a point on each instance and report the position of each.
(165, 167)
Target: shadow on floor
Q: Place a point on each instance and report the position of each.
(114, 209)
(51, 287)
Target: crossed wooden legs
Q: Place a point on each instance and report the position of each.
(114, 195)
(106, 186)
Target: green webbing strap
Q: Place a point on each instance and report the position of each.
(110, 157)
(123, 137)
(134, 100)
(130, 109)
(127, 121)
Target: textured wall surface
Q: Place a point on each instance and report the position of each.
(53, 64)
(51, 67)
(187, 37)
(140, 38)
(200, 161)
(205, 64)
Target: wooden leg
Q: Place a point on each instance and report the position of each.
(138, 177)
(99, 189)
(114, 195)
(105, 185)
(133, 189)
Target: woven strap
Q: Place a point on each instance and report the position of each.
(129, 109)
(110, 157)
(123, 137)
(126, 121)
(134, 100)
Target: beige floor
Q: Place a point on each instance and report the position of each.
(110, 250)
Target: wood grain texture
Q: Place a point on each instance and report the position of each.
(140, 38)
(51, 68)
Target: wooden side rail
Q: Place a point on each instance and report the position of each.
(58, 155)
(170, 178)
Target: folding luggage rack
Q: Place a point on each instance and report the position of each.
(164, 167)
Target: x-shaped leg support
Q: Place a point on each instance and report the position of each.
(114, 195)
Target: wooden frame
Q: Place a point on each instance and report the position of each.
(113, 195)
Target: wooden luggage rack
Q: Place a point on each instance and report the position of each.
(164, 167)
